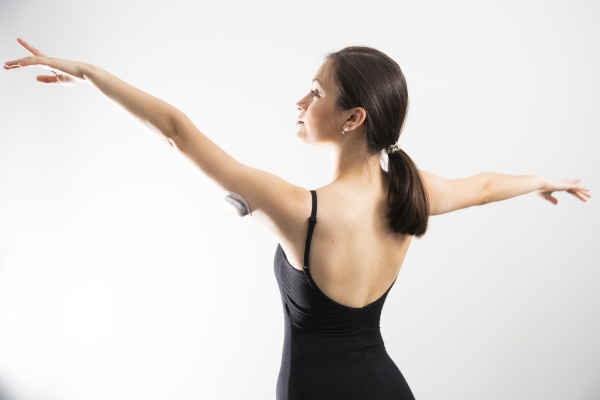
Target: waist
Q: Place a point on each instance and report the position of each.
(312, 347)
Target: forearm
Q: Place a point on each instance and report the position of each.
(152, 113)
(174, 128)
(501, 187)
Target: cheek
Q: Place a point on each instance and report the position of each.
(318, 118)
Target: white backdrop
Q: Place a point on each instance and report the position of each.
(122, 276)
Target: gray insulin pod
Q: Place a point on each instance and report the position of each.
(239, 206)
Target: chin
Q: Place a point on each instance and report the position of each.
(301, 136)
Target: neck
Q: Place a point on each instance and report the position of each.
(353, 165)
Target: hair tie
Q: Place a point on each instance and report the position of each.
(392, 149)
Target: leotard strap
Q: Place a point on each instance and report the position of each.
(311, 226)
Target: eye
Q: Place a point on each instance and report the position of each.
(315, 93)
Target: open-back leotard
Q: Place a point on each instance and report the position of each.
(331, 351)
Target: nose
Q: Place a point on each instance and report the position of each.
(302, 104)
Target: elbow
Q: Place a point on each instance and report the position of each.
(171, 143)
(485, 189)
(171, 130)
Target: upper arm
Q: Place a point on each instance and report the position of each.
(274, 202)
(445, 195)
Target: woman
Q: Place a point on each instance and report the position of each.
(333, 275)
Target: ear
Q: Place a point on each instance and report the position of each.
(354, 118)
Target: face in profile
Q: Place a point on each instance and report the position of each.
(319, 120)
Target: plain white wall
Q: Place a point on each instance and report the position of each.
(122, 276)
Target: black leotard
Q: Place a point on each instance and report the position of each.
(331, 351)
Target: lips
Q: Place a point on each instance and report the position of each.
(299, 122)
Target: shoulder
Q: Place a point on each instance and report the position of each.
(276, 204)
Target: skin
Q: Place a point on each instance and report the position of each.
(354, 255)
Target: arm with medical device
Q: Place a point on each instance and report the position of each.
(170, 125)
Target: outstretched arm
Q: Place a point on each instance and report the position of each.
(274, 202)
(447, 195)
(152, 113)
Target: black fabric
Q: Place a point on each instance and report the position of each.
(311, 226)
(331, 351)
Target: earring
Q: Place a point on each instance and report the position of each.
(343, 131)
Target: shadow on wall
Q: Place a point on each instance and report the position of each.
(3, 393)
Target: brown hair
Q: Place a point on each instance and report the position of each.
(368, 78)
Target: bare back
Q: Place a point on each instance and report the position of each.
(354, 255)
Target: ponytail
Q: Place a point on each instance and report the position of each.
(407, 197)
(368, 78)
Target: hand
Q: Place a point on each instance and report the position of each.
(569, 185)
(66, 73)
